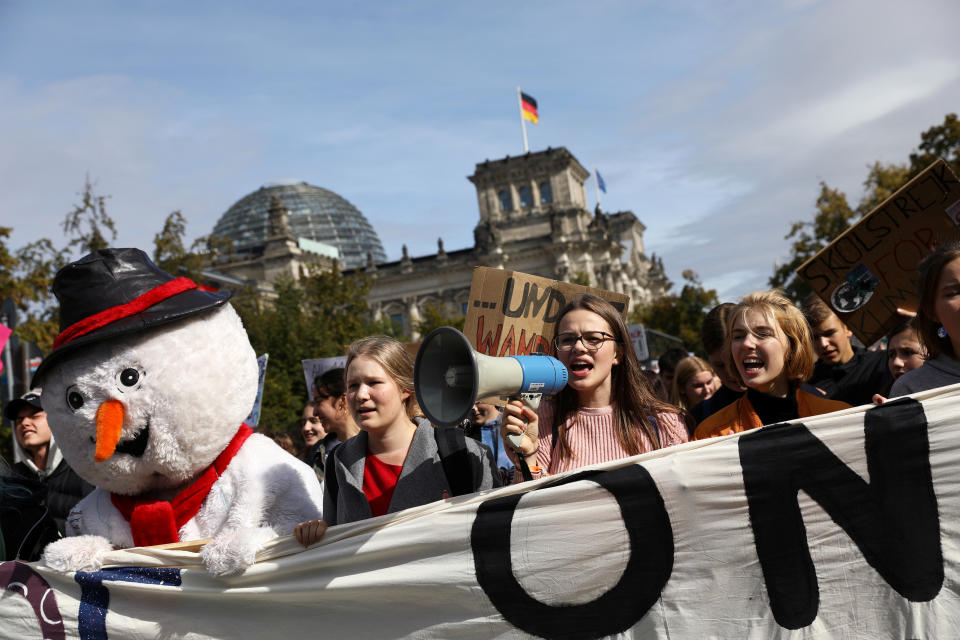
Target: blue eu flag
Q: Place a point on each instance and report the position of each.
(600, 182)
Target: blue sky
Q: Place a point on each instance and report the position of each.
(712, 121)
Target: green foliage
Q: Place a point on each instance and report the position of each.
(89, 221)
(680, 315)
(939, 141)
(316, 317)
(882, 180)
(171, 254)
(581, 278)
(26, 275)
(834, 215)
(434, 316)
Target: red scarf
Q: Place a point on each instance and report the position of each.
(159, 521)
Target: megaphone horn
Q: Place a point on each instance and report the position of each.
(449, 376)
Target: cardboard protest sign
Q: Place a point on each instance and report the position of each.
(871, 269)
(846, 525)
(318, 366)
(638, 336)
(513, 314)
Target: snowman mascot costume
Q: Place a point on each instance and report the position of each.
(145, 391)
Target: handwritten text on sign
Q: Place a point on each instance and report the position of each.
(512, 313)
(871, 269)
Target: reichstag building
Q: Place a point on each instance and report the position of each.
(533, 217)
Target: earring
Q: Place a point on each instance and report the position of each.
(941, 332)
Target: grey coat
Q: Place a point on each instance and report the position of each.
(421, 481)
(938, 372)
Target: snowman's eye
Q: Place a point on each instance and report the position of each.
(129, 377)
(74, 398)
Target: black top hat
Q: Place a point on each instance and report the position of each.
(114, 292)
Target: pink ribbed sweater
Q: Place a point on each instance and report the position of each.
(592, 438)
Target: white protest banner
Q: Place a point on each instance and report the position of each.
(844, 526)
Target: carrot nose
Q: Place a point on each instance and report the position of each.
(109, 426)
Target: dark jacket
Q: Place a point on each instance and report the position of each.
(854, 381)
(724, 396)
(25, 523)
(64, 489)
(316, 456)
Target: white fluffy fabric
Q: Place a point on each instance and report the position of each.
(197, 382)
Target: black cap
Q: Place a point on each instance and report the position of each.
(31, 398)
(115, 292)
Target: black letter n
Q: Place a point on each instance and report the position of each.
(893, 519)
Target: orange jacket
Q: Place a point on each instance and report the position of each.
(740, 415)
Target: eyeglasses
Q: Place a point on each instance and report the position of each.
(591, 340)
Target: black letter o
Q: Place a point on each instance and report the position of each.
(648, 569)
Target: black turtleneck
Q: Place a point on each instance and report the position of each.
(771, 409)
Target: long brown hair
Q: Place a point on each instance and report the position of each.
(636, 404)
(927, 325)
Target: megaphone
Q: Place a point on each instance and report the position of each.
(449, 377)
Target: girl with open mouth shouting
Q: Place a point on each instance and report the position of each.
(770, 348)
(394, 462)
(607, 410)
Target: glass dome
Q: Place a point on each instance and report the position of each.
(313, 212)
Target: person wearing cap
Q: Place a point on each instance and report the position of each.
(38, 457)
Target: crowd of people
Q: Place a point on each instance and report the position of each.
(767, 361)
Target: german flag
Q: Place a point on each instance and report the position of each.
(528, 106)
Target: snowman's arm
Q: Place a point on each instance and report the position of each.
(94, 527)
(96, 515)
(273, 492)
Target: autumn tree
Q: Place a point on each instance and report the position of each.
(833, 214)
(433, 316)
(26, 276)
(171, 254)
(939, 141)
(680, 314)
(315, 317)
(88, 225)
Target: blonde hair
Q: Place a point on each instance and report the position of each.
(395, 360)
(686, 369)
(800, 356)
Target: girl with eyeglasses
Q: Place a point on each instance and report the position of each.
(606, 412)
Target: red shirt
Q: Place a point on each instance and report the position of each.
(379, 482)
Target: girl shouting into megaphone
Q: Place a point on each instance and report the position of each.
(607, 410)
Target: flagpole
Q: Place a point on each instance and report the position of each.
(523, 125)
(596, 184)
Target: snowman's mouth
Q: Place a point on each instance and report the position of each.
(136, 445)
